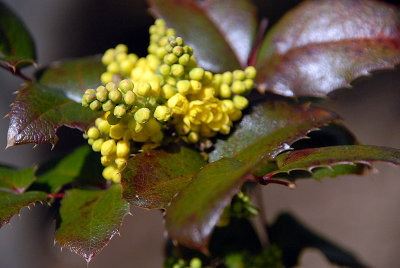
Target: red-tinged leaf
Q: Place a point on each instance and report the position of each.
(151, 179)
(222, 32)
(323, 45)
(89, 219)
(17, 48)
(16, 180)
(39, 110)
(309, 159)
(196, 210)
(271, 128)
(11, 204)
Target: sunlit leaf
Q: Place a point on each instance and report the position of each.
(322, 45)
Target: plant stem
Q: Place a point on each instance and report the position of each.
(55, 195)
(260, 34)
(16, 72)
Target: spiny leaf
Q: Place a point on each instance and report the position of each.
(309, 159)
(80, 166)
(221, 32)
(321, 45)
(277, 121)
(151, 179)
(39, 111)
(17, 48)
(11, 204)
(16, 180)
(89, 219)
(293, 237)
(196, 210)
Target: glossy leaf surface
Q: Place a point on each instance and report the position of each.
(221, 32)
(293, 237)
(16, 44)
(322, 45)
(16, 180)
(309, 159)
(11, 204)
(196, 210)
(82, 166)
(151, 179)
(276, 122)
(89, 219)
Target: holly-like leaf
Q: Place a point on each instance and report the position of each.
(81, 166)
(308, 159)
(196, 210)
(17, 48)
(221, 32)
(276, 124)
(16, 180)
(89, 219)
(151, 179)
(293, 237)
(11, 203)
(322, 45)
(73, 76)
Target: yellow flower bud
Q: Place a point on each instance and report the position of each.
(109, 171)
(170, 59)
(225, 91)
(195, 86)
(142, 89)
(108, 56)
(113, 68)
(142, 115)
(123, 148)
(126, 85)
(227, 78)
(121, 48)
(111, 86)
(121, 57)
(193, 137)
(238, 87)
(239, 75)
(178, 103)
(250, 72)
(249, 84)
(104, 126)
(95, 105)
(116, 178)
(106, 77)
(240, 102)
(107, 160)
(162, 113)
(90, 141)
(108, 106)
(108, 147)
(178, 51)
(129, 98)
(120, 110)
(93, 133)
(183, 86)
(207, 78)
(117, 131)
(167, 91)
(196, 74)
(164, 69)
(120, 163)
(97, 144)
(126, 66)
(184, 59)
(115, 95)
(177, 70)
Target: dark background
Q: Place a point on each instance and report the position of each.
(360, 213)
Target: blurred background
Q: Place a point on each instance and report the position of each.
(359, 213)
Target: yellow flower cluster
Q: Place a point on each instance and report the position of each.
(142, 96)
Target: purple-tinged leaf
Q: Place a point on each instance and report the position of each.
(151, 179)
(323, 45)
(17, 48)
(222, 32)
(39, 111)
(11, 203)
(196, 210)
(16, 180)
(309, 159)
(89, 219)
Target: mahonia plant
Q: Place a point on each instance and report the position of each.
(181, 130)
(141, 97)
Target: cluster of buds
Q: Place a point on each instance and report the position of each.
(142, 96)
(180, 263)
(240, 208)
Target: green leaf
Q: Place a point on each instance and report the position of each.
(269, 129)
(17, 48)
(321, 45)
(308, 159)
(16, 180)
(81, 166)
(73, 76)
(196, 210)
(221, 33)
(11, 204)
(293, 237)
(89, 219)
(151, 179)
